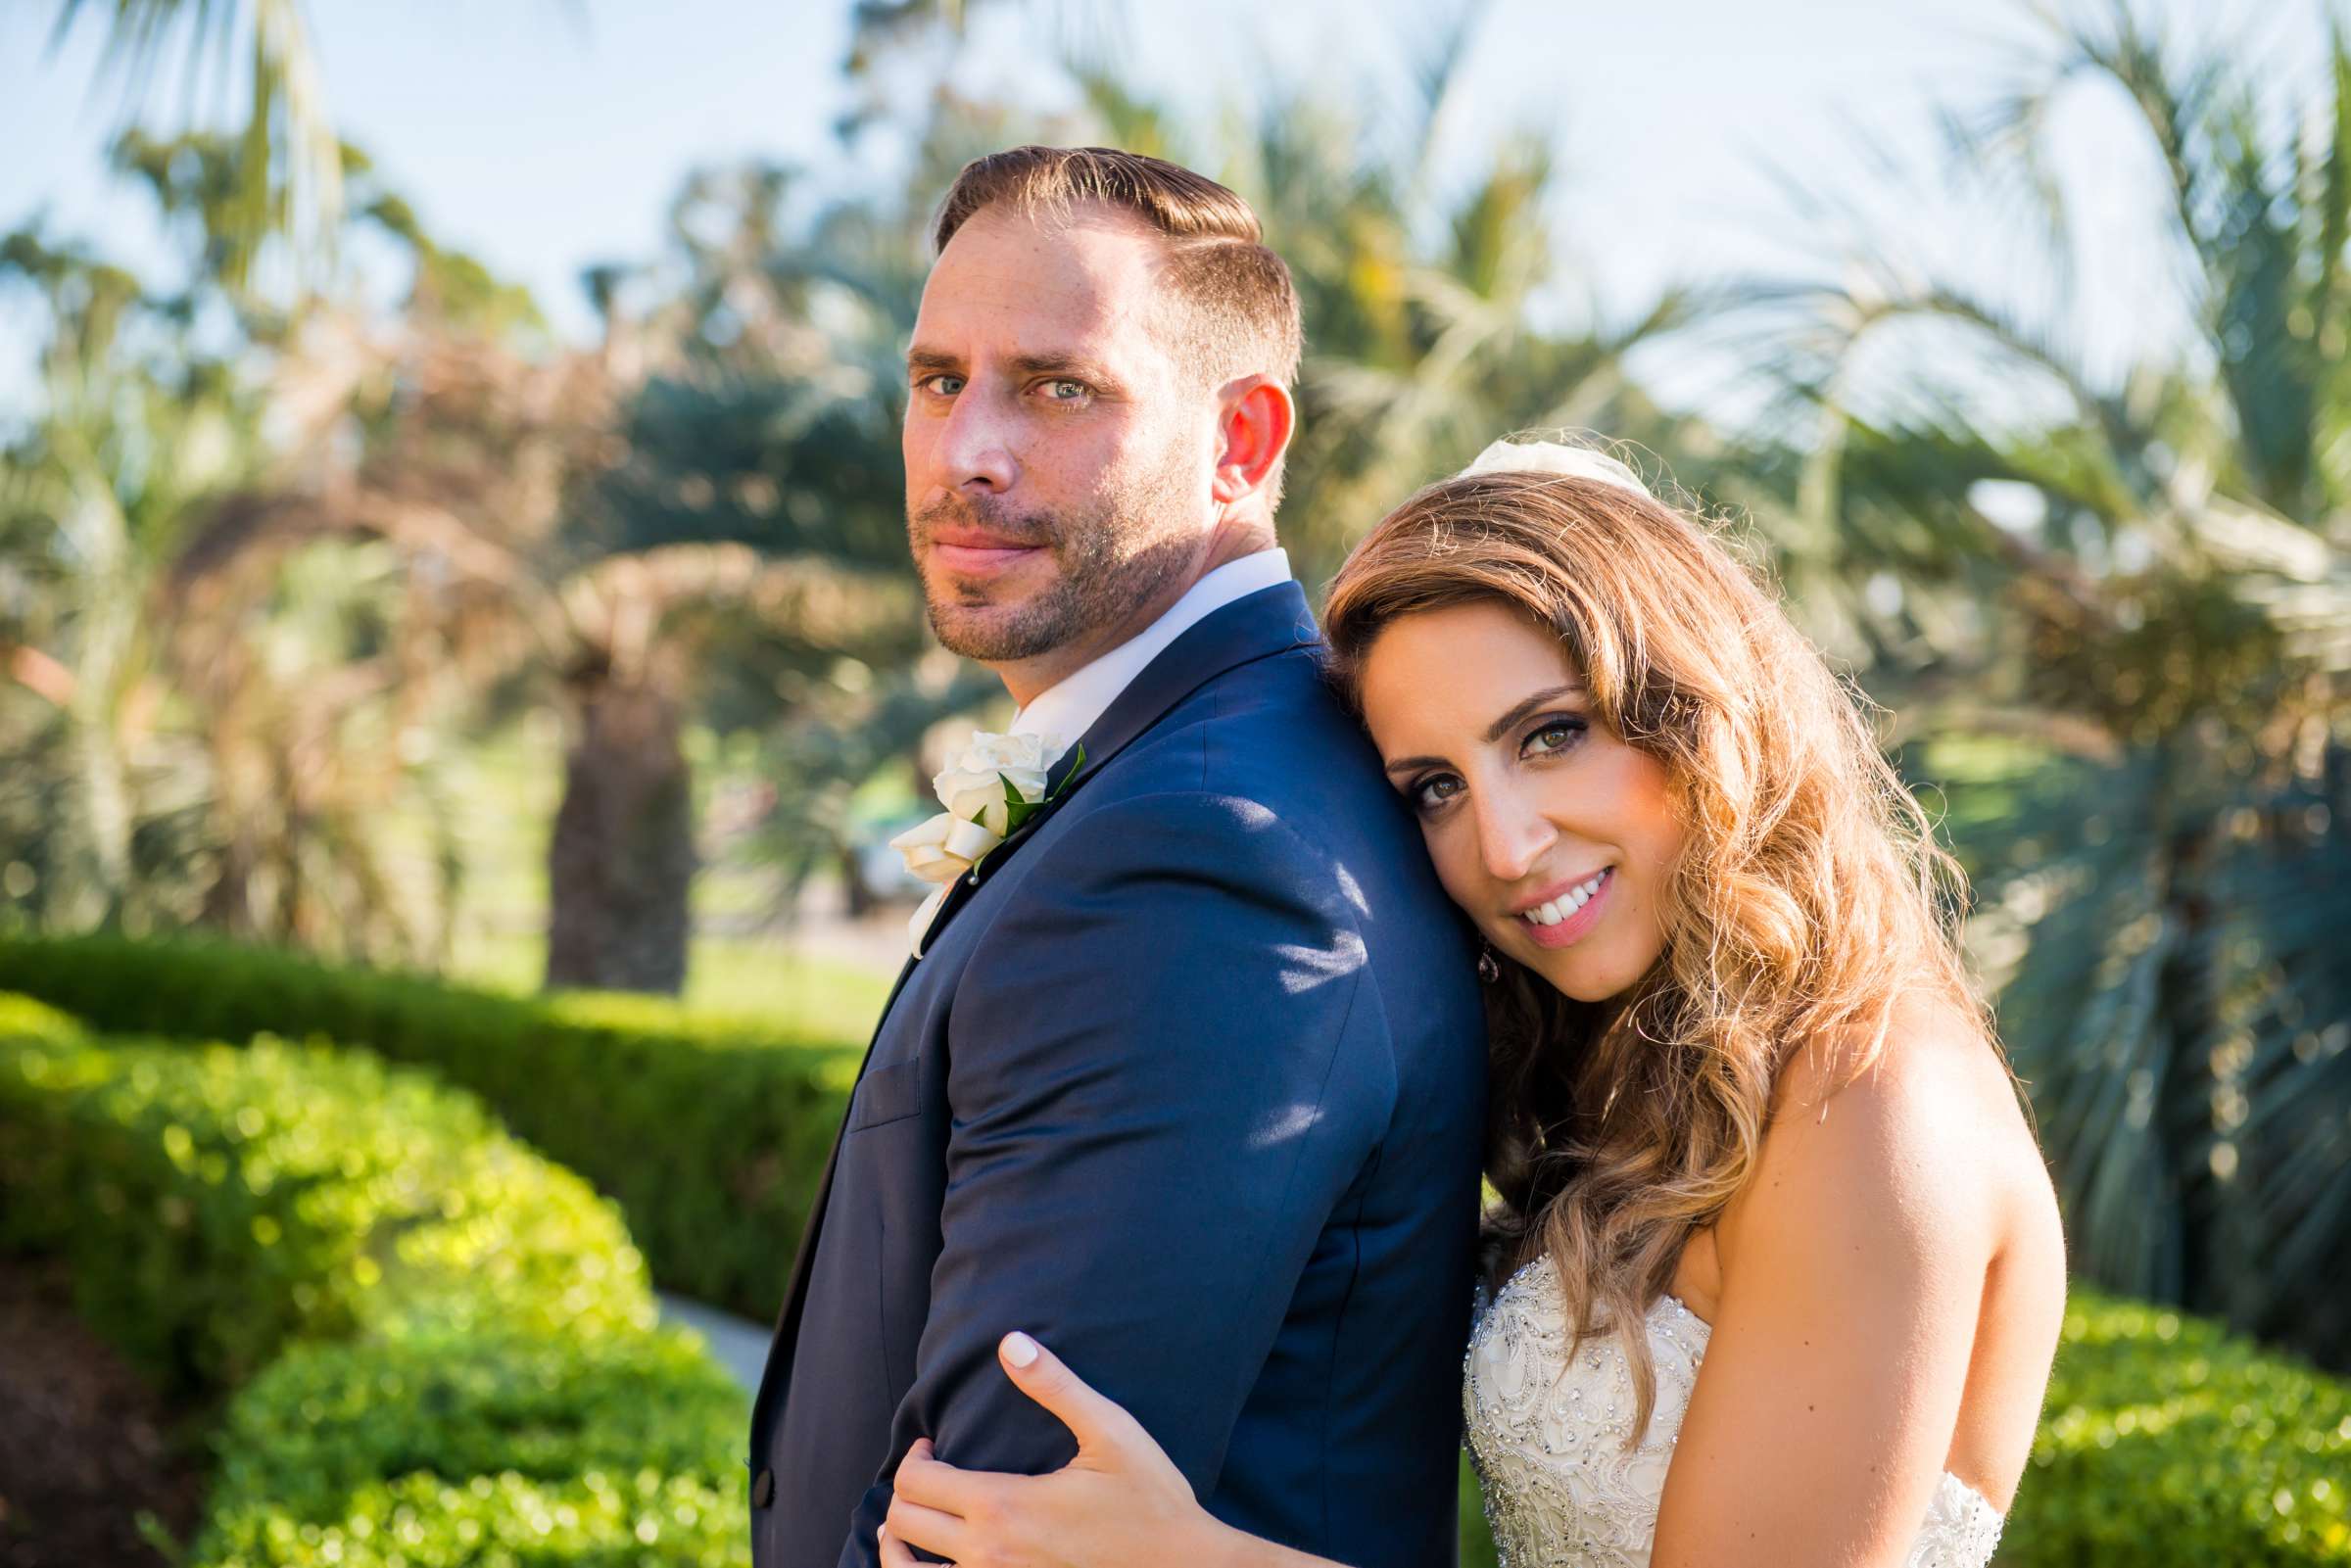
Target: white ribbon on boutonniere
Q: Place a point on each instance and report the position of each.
(989, 787)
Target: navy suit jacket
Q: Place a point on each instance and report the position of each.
(1189, 1083)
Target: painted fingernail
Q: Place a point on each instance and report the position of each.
(1019, 1349)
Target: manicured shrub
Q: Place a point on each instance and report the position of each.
(215, 1201)
(2167, 1441)
(709, 1132)
(436, 1348)
(440, 1448)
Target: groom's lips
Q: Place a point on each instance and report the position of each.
(969, 553)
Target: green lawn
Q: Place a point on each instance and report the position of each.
(734, 977)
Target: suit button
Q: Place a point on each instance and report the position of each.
(763, 1490)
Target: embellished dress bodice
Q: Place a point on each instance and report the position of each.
(1548, 1438)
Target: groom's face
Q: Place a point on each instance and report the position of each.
(1058, 461)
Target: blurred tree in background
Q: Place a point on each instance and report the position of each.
(2121, 641)
(282, 191)
(135, 425)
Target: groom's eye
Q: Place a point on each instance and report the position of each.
(1065, 391)
(942, 385)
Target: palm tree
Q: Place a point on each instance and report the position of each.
(94, 804)
(235, 772)
(289, 174)
(2127, 630)
(288, 180)
(1414, 320)
(471, 460)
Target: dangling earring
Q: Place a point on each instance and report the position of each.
(1487, 970)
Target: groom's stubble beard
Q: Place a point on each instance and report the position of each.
(1114, 561)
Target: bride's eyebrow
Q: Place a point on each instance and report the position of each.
(1500, 727)
(1526, 705)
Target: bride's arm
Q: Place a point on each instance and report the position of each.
(1121, 1504)
(1854, 1263)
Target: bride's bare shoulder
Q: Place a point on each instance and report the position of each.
(1935, 1070)
(1931, 1123)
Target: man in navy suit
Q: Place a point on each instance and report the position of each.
(1189, 1078)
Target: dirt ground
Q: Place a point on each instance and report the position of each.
(84, 1443)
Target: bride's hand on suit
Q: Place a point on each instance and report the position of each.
(1120, 1502)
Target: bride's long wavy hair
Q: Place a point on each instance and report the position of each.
(1809, 893)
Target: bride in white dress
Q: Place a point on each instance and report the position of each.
(1777, 1268)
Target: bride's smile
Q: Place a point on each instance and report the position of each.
(1545, 826)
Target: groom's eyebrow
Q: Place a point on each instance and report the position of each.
(921, 361)
(1093, 372)
(1500, 727)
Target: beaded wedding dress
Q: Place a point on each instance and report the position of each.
(1562, 1489)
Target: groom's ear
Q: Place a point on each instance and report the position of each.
(1254, 421)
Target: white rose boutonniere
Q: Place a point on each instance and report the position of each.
(993, 786)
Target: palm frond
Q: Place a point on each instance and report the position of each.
(290, 171)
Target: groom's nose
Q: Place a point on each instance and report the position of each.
(975, 447)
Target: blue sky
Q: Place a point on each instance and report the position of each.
(545, 136)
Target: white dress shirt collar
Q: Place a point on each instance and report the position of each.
(1063, 711)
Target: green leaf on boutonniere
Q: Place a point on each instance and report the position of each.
(1018, 811)
(1076, 766)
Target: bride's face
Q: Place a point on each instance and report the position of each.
(1550, 831)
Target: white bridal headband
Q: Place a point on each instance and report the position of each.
(1554, 457)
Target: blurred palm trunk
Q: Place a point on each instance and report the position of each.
(622, 855)
(2190, 1026)
(857, 899)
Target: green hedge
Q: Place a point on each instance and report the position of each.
(709, 1132)
(436, 1348)
(2167, 1441)
(443, 1449)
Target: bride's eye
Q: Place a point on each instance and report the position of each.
(1551, 737)
(1427, 794)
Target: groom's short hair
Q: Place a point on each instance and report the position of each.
(1238, 309)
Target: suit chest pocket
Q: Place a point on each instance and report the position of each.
(886, 1094)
